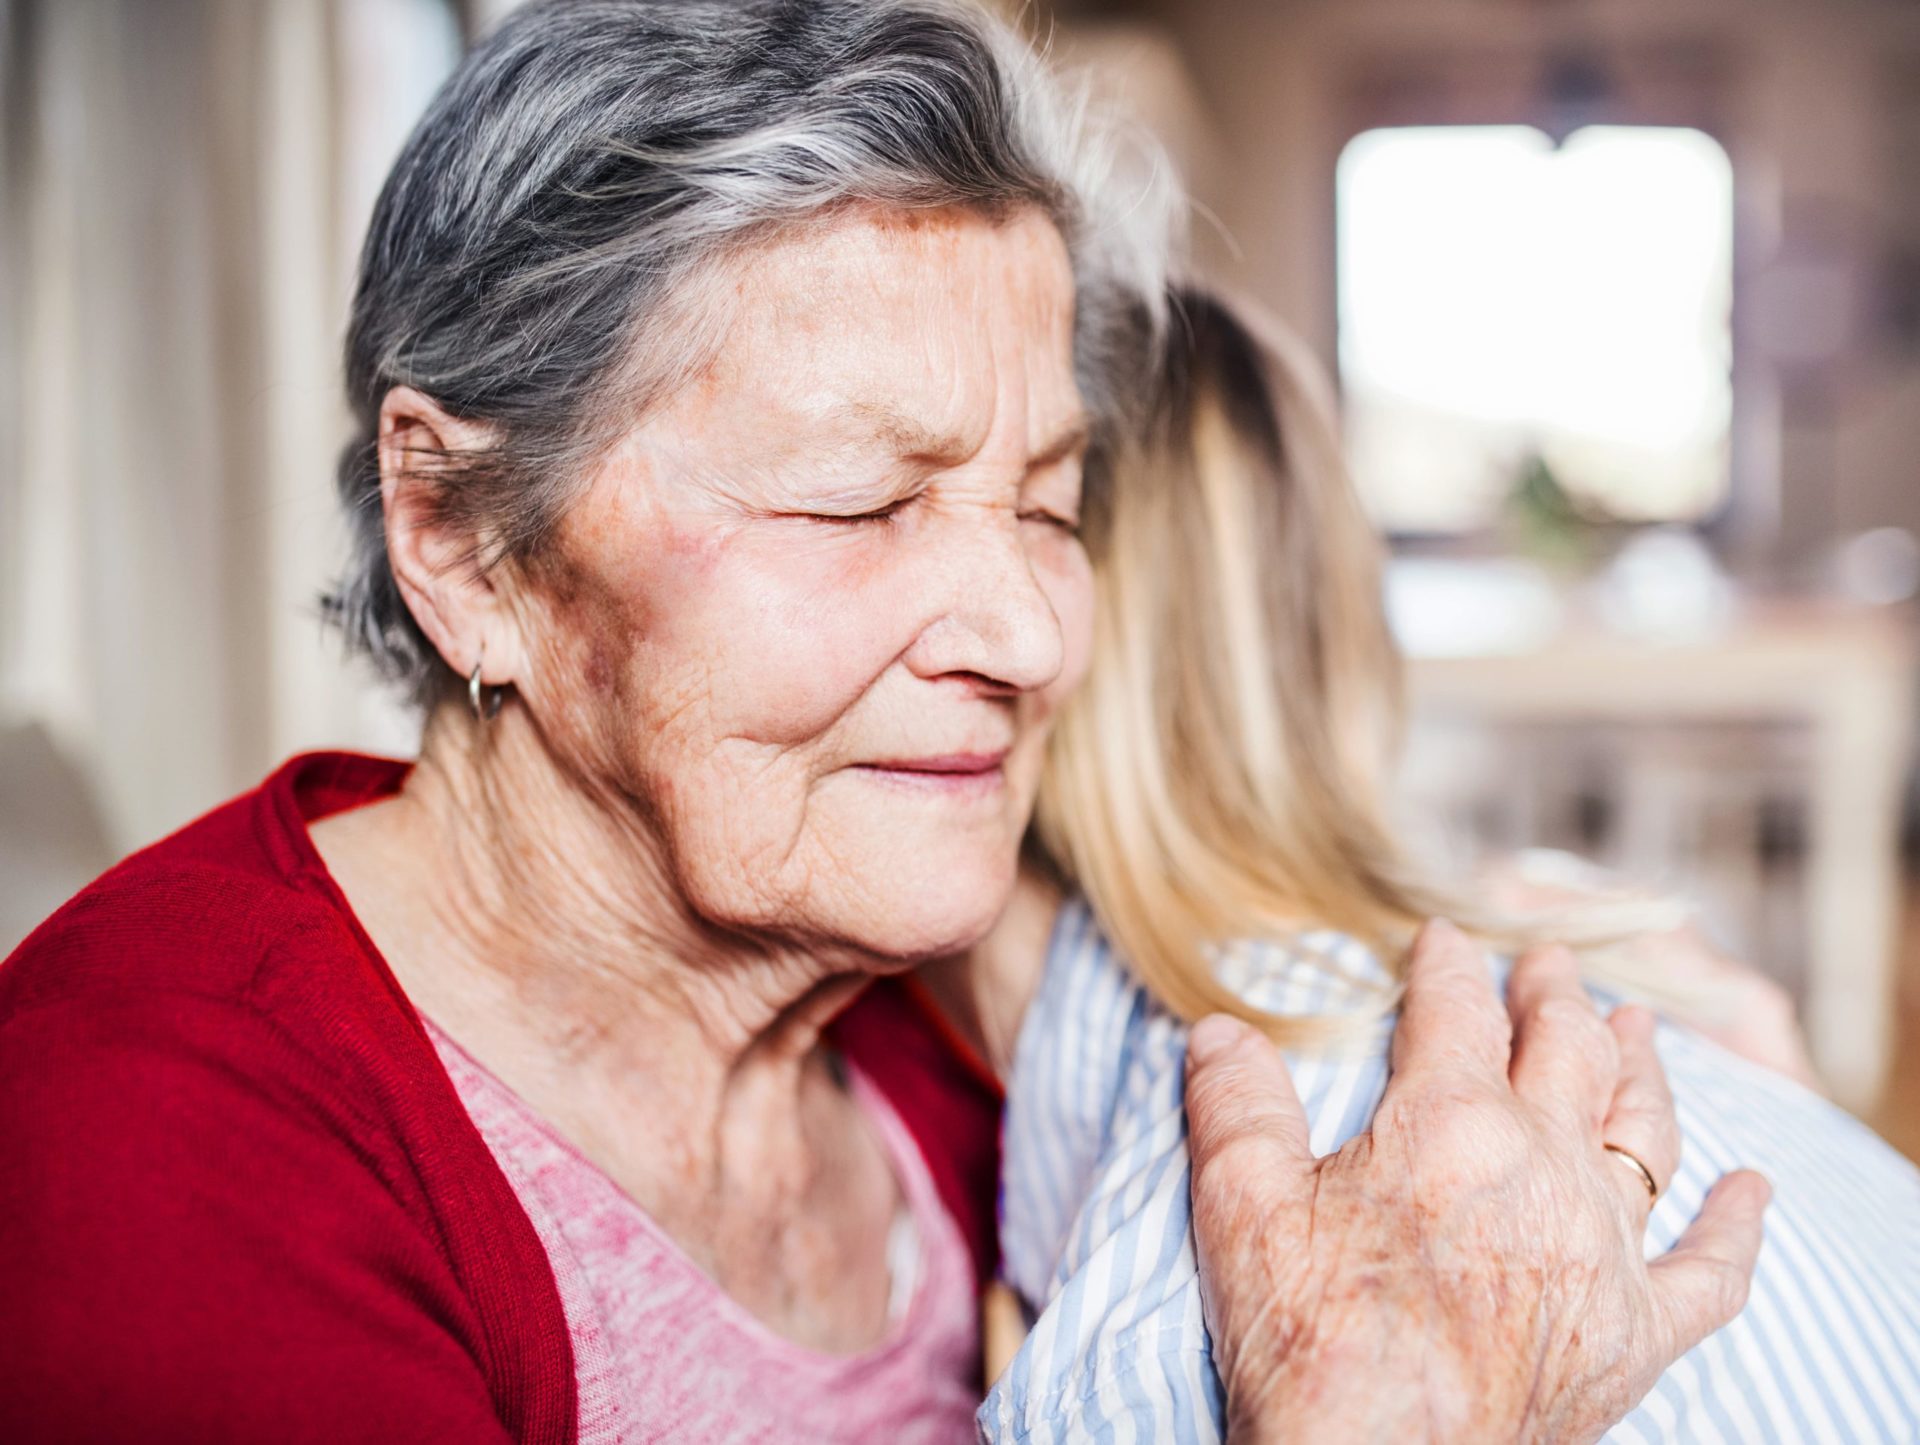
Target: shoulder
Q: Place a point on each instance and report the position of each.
(1081, 1036)
(208, 973)
(201, 972)
(224, 909)
(1082, 1029)
(1828, 1346)
(210, 1223)
(1830, 1342)
(234, 1172)
(1098, 1060)
(1094, 1227)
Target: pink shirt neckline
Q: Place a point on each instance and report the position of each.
(611, 1259)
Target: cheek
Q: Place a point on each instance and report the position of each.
(746, 649)
(581, 632)
(598, 598)
(791, 638)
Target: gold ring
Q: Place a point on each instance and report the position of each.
(1633, 1162)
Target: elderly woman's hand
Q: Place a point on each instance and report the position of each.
(1472, 1267)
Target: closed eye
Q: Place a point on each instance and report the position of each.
(1066, 524)
(883, 514)
(1069, 525)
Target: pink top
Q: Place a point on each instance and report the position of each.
(662, 1353)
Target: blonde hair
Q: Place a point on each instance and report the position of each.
(1222, 773)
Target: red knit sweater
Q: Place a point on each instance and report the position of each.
(239, 1199)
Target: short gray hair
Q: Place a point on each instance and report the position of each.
(532, 247)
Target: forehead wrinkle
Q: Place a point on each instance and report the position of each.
(852, 439)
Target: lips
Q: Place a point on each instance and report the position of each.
(945, 763)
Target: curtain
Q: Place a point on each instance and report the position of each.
(184, 189)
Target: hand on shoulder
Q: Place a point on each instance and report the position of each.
(1471, 1267)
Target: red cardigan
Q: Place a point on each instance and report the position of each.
(239, 1198)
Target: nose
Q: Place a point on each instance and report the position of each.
(991, 616)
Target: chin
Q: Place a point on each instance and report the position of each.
(931, 914)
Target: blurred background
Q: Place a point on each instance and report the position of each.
(1622, 298)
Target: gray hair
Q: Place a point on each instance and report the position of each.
(531, 258)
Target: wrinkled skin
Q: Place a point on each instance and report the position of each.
(1471, 1268)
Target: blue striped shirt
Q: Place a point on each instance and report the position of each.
(1095, 1218)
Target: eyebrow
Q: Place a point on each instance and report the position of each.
(913, 440)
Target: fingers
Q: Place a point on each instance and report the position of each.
(1701, 1283)
(1253, 1173)
(1565, 1058)
(1451, 1018)
(1641, 1118)
(1246, 1127)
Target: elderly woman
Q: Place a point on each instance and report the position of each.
(725, 374)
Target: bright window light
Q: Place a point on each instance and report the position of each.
(1503, 300)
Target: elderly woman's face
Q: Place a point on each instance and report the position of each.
(814, 615)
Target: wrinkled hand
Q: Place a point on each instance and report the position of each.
(1472, 1267)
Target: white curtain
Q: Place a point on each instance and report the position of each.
(184, 189)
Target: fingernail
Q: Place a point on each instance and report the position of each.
(1441, 930)
(1215, 1036)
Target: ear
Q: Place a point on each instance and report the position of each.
(457, 605)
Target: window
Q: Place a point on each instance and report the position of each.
(1510, 309)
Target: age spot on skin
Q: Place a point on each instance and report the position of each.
(598, 673)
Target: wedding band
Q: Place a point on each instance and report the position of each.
(1633, 1162)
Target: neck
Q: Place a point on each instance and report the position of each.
(537, 921)
(539, 924)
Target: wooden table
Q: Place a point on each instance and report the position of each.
(1848, 676)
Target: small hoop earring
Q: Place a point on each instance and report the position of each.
(487, 710)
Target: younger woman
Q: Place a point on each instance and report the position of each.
(1246, 687)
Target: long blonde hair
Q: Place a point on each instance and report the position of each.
(1222, 773)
